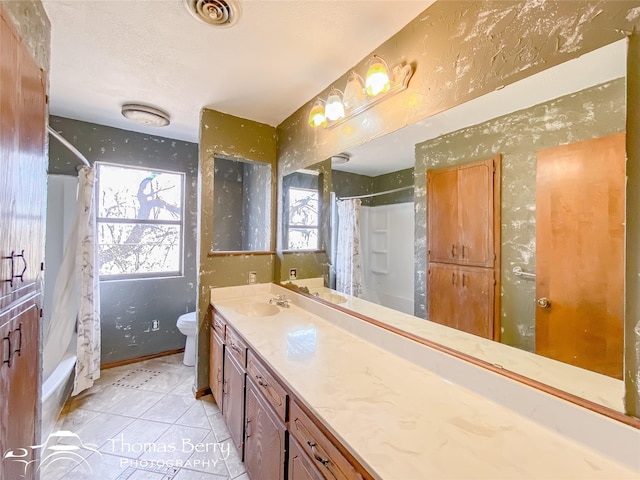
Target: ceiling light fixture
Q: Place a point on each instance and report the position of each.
(145, 115)
(340, 158)
(381, 82)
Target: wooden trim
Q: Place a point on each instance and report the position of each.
(497, 245)
(121, 363)
(495, 368)
(294, 252)
(238, 253)
(200, 392)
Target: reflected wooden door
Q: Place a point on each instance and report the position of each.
(443, 215)
(580, 214)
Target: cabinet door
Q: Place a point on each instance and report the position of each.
(300, 467)
(475, 214)
(216, 361)
(264, 439)
(444, 294)
(233, 399)
(19, 384)
(442, 218)
(23, 167)
(475, 313)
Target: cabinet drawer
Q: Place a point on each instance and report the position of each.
(330, 462)
(267, 385)
(236, 346)
(219, 324)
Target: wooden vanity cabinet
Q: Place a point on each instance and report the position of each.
(233, 399)
(216, 366)
(265, 438)
(300, 467)
(263, 417)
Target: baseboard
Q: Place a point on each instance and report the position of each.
(201, 392)
(140, 359)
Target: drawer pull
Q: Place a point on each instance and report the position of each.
(246, 429)
(12, 258)
(261, 381)
(323, 461)
(8, 350)
(19, 330)
(236, 348)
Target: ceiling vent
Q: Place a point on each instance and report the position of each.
(218, 13)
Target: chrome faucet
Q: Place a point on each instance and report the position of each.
(281, 301)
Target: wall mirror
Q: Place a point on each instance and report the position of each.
(242, 205)
(579, 100)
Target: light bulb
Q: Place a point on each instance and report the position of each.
(317, 116)
(377, 78)
(353, 92)
(334, 109)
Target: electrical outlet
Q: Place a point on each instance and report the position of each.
(293, 274)
(253, 278)
(155, 325)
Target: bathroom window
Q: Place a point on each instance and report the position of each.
(140, 221)
(303, 216)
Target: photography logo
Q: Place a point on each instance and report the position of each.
(61, 446)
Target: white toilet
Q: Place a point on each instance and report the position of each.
(187, 325)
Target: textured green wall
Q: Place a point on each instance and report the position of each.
(591, 113)
(231, 137)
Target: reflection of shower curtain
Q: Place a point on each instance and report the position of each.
(348, 270)
(76, 297)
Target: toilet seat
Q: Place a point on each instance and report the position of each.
(187, 323)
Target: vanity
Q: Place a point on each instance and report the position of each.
(311, 392)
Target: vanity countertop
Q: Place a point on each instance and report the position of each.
(401, 421)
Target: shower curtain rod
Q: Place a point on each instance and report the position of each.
(377, 194)
(66, 143)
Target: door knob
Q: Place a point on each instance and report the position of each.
(544, 302)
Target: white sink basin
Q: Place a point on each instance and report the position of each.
(257, 309)
(331, 297)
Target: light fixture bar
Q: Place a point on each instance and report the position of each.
(400, 82)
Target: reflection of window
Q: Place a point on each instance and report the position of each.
(139, 221)
(303, 219)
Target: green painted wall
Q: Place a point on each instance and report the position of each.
(230, 137)
(591, 113)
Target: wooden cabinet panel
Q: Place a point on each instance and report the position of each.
(460, 206)
(300, 467)
(329, 460)
(219, 324)
(233, 399)
(18, 382)
(236, 346)
(443, 233)
(23, 167)
(475, 214)
(268, 385)
(475, 313)
(462, 298)
(216, 365)
(264, 439)
(444, 295)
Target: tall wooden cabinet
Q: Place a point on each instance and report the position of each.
(463, 238)
(22, 206)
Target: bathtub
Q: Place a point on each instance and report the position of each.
(56, 389)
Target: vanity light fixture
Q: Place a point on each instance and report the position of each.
(145, 115)
(381, 82)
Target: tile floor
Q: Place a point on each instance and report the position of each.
(141, 422)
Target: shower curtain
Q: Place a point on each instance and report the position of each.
(76, 295)
(348, 269)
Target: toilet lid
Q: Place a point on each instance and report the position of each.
(187, 320)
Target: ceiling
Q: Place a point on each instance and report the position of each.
(278, 56)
